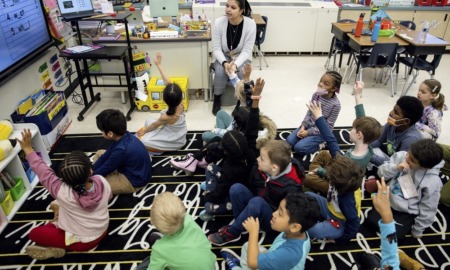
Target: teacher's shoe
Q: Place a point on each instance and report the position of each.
(41, 253)
(216, 104)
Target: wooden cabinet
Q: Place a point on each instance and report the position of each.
(13, 165)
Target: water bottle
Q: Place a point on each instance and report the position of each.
(372, 11)
(424, 33)
(376, 30)
(359, 25)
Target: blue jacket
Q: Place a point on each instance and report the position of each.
(129, 157)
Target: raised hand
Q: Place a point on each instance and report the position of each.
(246, 71)
(158, 59)
(381, 201)
(315, 108)
(26, 143)
(258, 88)
(358, 88)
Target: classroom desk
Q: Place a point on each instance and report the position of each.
(431, 46)
(340, 31)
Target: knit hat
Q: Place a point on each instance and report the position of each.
(235, 145)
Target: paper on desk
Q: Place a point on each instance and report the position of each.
(107, 8)
(141, 95)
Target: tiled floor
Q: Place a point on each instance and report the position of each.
(290, 82)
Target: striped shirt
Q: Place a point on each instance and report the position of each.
(330, 111)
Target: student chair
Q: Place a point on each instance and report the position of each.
(381, 56)
(421, 64)
(228, 97)
(401, 50)
(339, 45)
(260, 37)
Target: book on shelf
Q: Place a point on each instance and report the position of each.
(83, 48)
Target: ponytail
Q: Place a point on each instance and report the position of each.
(435, 87)
(247, 9)
(172, 96)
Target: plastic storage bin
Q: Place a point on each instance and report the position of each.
(7, 204)
(18, 190)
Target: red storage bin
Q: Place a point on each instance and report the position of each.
(439, 2)
(423, 2)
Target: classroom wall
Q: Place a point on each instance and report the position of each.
(29, 80)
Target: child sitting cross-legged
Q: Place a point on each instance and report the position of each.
(82, 197)
(183, 244)
(294, 216)
(414, 208)
(275, 175)
(307, 139)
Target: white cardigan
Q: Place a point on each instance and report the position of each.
(244, 49)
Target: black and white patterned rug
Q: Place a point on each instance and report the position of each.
(126, 244)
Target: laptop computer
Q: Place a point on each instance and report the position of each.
(164, 8)
(75, 9)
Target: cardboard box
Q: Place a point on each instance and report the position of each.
(155, 90)
(51, 137)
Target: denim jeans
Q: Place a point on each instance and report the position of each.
(223, 121)
(245, 205)
(304, 146)
(325, 229)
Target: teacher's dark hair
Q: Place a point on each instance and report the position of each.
(245, 5)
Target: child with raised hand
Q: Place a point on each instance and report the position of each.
(389, 245)
(168, 133)
(414, 209)
(307, 138)
(238, 119)
(433, 102)
(183, 244)
(240, 155)
(365, 130)
(83, 204)
(294, 216)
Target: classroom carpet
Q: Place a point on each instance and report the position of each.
(126, 244)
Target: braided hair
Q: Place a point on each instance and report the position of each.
(337, 79)
(172, 96)
(75, 171)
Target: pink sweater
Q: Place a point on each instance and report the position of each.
(84, 218)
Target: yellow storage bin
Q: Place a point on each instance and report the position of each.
(8, 203)
(155, 90)
(18, 190)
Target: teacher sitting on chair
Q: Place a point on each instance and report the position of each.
(233, 40)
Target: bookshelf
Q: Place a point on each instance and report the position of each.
(13, 165)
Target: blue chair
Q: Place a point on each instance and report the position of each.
(421, 64)
(339, 45)
(382, 56)
(260, 37)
